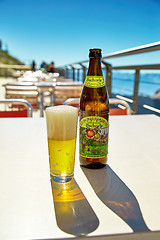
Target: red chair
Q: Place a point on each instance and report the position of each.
(24, 108)
(122, 107)
(22, 90)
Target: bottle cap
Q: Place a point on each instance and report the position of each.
(95, 53)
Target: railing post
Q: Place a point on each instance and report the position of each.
(84, 71)
(73, 72)
(65, 72)
(135, 96)
(108, 68)
(78, 74)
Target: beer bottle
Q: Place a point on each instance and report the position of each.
(94, 116)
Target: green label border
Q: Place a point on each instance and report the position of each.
(94, 120)
(93, 146)
(94, 81)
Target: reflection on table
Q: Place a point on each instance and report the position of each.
(74, 214)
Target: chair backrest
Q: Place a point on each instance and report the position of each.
(124, 110)
(72, 102)
(25, 91)
(25, 110)
(64, 92)
(122, 107)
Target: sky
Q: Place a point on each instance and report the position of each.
(63, 31)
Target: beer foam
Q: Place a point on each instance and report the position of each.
(61, 122)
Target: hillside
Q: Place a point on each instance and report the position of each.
(5, 58)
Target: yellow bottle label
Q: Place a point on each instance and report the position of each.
(93, 137)
(94, 81)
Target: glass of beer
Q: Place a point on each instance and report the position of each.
(61, 131)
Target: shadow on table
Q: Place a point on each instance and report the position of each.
(74, 215)
(113, 192)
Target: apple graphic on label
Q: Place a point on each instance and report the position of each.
(90, 133)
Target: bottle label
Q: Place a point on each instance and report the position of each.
(93, 137)
(94, 81)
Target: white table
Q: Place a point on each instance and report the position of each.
(49, 86)
(127, 190)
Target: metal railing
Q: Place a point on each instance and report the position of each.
(108, 68)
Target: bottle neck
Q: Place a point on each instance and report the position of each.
(95, 67)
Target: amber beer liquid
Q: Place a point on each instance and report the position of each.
(94, 116)
(61, 131)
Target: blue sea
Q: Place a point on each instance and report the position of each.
(123, 83)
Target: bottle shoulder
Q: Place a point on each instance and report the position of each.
(89, 92)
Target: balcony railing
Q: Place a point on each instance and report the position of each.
(70, 69)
